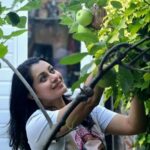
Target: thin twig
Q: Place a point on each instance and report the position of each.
(133, 68)
(138, 56)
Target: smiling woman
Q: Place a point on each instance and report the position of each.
(84, 126)
(48, 84)
(26, 118)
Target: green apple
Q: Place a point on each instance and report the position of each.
(108, 79)
(84, 17)
(82, 29)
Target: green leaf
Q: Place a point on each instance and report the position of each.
(2, 21)
(19, 32)
(74, 5)
(114, 37)
(142, 140)
(148, 137)
(15, 33)
(116, 4)
(122, 24)
(73, 27)
(102, 3)
(125, 79)
(1, 32)
(86, 37)
(147, 76)
(81, 80)
(97, 47)
(73, 59)
(12, 18)
(3, 50)
(134, 27)
(2, 9)
(116, 20)
(34, 4)
(131, 9)
(22, 22)
(66, 20)
(145, 85)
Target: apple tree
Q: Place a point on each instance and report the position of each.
(100, 25)
(113, 22)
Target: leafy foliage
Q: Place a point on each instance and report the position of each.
(10, 18)
(125, 21)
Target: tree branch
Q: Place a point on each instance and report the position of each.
(30, 90)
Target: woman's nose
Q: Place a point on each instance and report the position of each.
(54, 78)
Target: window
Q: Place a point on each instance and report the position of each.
(50, 40)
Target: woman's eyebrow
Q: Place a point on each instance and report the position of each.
(41, 74)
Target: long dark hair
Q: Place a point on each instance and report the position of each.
(20, 106)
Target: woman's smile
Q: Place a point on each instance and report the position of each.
(57, 85)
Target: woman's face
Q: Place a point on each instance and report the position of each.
(47, 83)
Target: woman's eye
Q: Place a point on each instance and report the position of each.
(43, 78)
(52, 70)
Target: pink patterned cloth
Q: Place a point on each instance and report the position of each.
(79, 135)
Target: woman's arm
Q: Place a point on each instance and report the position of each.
(82, 110)
(133, 123)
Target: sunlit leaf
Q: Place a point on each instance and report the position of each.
(67, 20)
(115, 37)
(22, 22)
(73, 59)
(73, 28)
(19, 32)
(141, 141)
(34, 4)
(134, 27)
(3, 50)
(15, 33)
(2, 21)
(86, 37)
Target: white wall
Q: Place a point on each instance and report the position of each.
(17, 53)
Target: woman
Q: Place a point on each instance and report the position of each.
(29, 128)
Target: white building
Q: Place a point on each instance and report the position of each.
(17, 53)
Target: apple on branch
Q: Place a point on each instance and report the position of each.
(84, 16)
